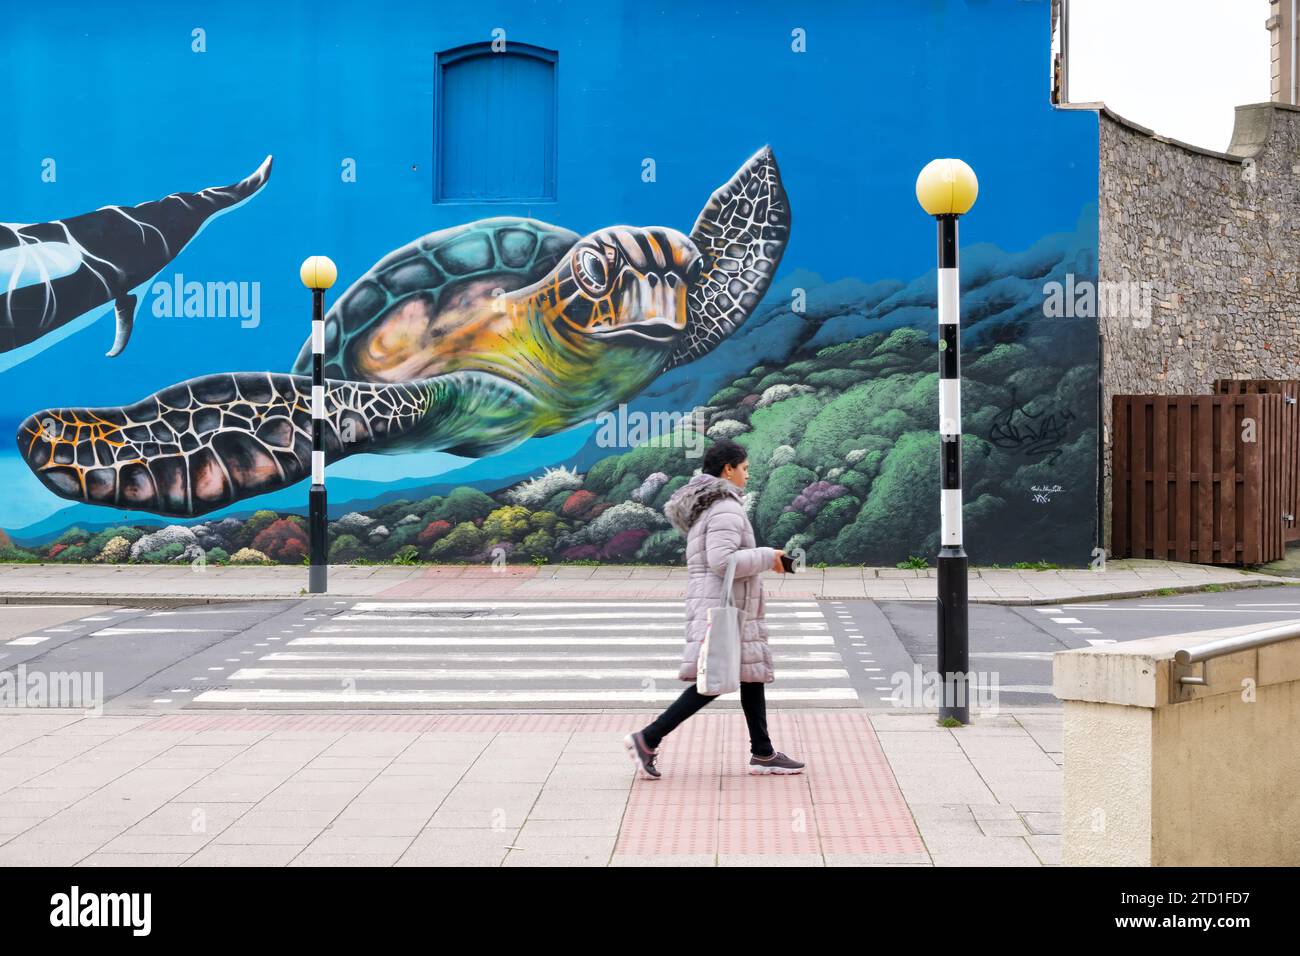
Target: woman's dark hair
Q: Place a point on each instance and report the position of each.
(720, 455)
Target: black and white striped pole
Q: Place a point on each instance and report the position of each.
(318, 274)
(946, 189)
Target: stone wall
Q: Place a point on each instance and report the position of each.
(1215, 239)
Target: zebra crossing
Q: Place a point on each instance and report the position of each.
(477, 654)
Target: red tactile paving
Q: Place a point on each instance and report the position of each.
(678, 813)
(459, 582)
(846, 802)
(706, 803)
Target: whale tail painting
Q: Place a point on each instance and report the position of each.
(54, 272)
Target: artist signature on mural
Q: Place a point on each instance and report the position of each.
(1043, 493)
(1033, 433)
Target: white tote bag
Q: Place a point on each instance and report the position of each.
(718, 669)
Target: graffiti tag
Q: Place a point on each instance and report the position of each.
(1030, 432)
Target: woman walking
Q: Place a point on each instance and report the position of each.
(708, 510)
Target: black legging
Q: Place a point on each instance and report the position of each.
(691, 700)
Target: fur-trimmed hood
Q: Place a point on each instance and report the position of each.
(691, 500)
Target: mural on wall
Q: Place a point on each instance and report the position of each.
(840, 427)
(52, 273)
(471, 339)
(507, 389)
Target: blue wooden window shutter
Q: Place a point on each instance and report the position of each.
(494, 124)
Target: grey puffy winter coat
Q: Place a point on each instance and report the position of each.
(709, 512)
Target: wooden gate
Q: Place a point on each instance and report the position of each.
(1197, 478)
(1290, 388)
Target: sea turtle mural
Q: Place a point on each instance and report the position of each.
(469, 340)
(54, 272)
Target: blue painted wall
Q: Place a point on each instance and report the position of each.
(117, 97)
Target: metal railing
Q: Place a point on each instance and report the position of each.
(1231, 645)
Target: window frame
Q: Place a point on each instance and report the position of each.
(445, 58)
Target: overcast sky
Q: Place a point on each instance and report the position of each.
(1175, 66)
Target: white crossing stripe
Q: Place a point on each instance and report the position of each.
(118, 631)
(267, 695)
(473, 626)
(513, 654)
(499, 674)
(678, 615)
(529, 641)
(436, 657)
(494, 605)
(1067, 620)
(27, 641)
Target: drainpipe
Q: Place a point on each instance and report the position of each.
(1065, 50)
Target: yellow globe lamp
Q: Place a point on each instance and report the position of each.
(947, 187)
(318, 272)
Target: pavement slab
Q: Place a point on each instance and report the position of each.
(168, 585)
(533, 790)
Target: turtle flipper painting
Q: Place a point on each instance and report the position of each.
(469, 340)
(51, 273)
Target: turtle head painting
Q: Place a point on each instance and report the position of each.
(469, 340)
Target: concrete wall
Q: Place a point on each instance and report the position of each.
(1224, 779)
(1163, 774)
(1214, 236)
(1107, 790)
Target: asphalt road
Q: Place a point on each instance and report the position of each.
(323, 654)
